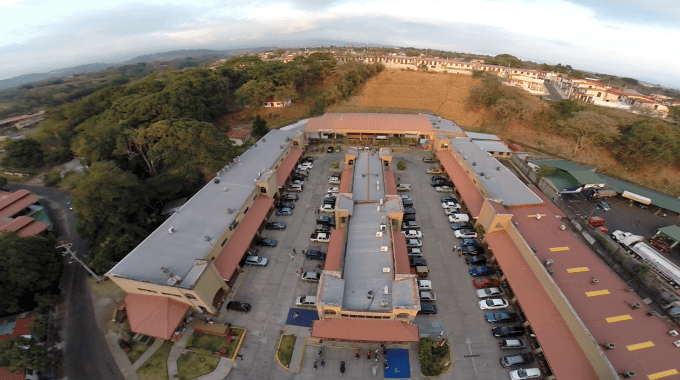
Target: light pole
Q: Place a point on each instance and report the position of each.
(67, 251)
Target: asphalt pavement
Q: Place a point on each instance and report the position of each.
(86, 355)
(554, 95)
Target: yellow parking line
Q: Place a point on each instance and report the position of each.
(640, 346)
(559, 249)
(576, 270)
(659, 375)
(597, 293)
(619, 318)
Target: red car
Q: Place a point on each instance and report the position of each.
(480, 283)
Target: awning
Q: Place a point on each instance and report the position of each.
(154, 316)
(471, 196)
(635, 197)
(334, 254)
(287, 166)
(232, 253)
(365, 330)
(401, 264)
(390, 183)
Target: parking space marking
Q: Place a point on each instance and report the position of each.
(559, 249)
(659, 375)
(619, 318)
(640, 346)
(577, 270)
(597, 293)
(469, 344)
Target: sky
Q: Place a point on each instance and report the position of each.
(632, 38)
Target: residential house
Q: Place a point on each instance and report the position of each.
(239, 136)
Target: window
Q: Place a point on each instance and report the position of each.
(189, 296)
(170, 294)
(146, 290)
(263, 190)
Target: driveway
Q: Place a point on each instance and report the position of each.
(553, 94)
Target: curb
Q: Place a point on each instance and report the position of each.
(276, 355)
(240, 342)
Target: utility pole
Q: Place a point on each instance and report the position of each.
(67, 251)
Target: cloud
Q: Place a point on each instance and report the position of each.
(9, 3)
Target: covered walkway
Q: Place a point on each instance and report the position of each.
(365, 330)
(287, 166)
(464, 186)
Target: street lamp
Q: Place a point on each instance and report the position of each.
(74, 258)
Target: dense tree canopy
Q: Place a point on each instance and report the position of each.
(23, 154)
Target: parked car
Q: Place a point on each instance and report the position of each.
(329, 149)
(326, 208)
(507, 331)
(417, 261)
(319, 237)
(327, 220)
(470, 250)
(413, 234)
(437, 182)
(428, 296)
(407, 203)
(305, 301)
(501, 317)
(275, 226)
(410, 225)
(481, 271)
(284, 212)
(414, 243)
(295, 187)
(409, 218)
(284, 205)
(469, 242)
(311, 276)
(415, 252)
(290, 197)
(427, 308)
(448, 198)
(409, 210)
(315, 255)
(475, 260)
(525, 373)
(428, 159)
(603, 205)
(267, 242)
(489, 292)
(322, 228)
(334, 181)
(404, 187)
(308, 159)
(481, 283)
(406, 197)
(451, 211)
(256, 260)
(462, 226)
(434, 171)
(516, 360)
(424, 285)
(333, 189)
(493, 304)
(464, 234)
(300, 182)
(443, 189)
(450, 204)
(459, 218)
(238, 306)
(306, 165)
(511, 344)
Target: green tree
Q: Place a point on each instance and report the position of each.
(19, 353)
(52, 178)
(590, 128)
(260, 126)
(3, 181)
(29, 266)
(23, 154)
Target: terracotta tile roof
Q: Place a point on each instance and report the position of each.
(232, 253)
(24, 226)
(545, 234)
(346, 181)
(287, 166)
(154, 316)
(6, 375)
(367, 330)
(334, 254)
(238, 133)
(563, 353)
(547, 202)
(464, 186)
(369, 123)
(21, 327)
(401, 264)
(15, 202)
(390, 183)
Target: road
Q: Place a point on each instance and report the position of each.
(86, 355)
(554, 95)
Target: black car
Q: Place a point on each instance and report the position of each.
(409, 210)
(470, 250)
(329, 149)
(238, 306)
(407, 203)
(469, 243)
(327, 220)
(308, 159)
(417, 262)
(475, 260)
(507, 331)
(427, 308)
(437, 183)
(437, 178)
(275, 226)
(290, 197)
(290, 205)
(501, 317)
(462, 226)
(267, 242)
(448, 198)
(409, 218)
(315, 255)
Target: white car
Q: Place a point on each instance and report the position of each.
(326, 208)
(525, 373)
(319, 237)
(306, 164)
(334, 181)
(404, 187)
(333, 190)
(451, 211)
(305, 301)
(298, 182)
(450, 205)
(427, 296)
(489, 292)
(413, 234)
(464, 234)
(493, 304)
(424, 285)
(415, 252)
(443, 189)
(406, 197)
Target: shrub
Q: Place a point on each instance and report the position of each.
(433, 357)
(401, 165)
(335, 164)
(52, 178)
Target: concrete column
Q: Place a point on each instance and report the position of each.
(513, 301)
(526, 324)
(537, 351)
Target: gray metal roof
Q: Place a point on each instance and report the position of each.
(444, 125)
(346, 204)
(499, 181)
(364, 261)
(481, 136)
(492, 146)
(333, 290)
(199, 223)
(369, 181)
(352, 151)
(403, 293)
(393, 204)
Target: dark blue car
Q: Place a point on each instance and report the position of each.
(481, 271)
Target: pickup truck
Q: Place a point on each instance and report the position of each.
(320, 237)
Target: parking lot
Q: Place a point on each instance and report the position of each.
(272, 291)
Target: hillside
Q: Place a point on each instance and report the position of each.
(445, 94)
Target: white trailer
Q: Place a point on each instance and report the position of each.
(661, 265)
(626, 239)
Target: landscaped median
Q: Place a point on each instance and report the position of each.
(285, 351)
(156, 368)
(435, 357)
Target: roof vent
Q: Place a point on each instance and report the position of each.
(230, 211)
(386, 269)
(171, 230)
(481, 174)
(263, 140)
(282, 146)
(206, 238)
(628, 374)
(534, 249)
(548, 262)
(383, 227)
(480, 148)
(635, 305)
(677, 343)
(255, 145)
(609, 346)
(465, 158)
(370, 294)
(383, 248)
(673, 333)
(563, 227)
(594, 280)
(384, 302)
(226, 189)
(378, 234)
(498, 168)
(387, 289)
(216, 180)
(474, 163)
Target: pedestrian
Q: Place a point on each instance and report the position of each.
(301, 270)
(240, 356)
(295, 252)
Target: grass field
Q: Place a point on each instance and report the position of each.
(285, 352)
(193, 365)
(156, 368)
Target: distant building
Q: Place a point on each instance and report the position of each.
(13, 327)
(239, 136)
(22, 121)
(23, 213)
(277, 103)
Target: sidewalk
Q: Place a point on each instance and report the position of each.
(301, 333)
(179, 348)
(119, 356)
(148, 353)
